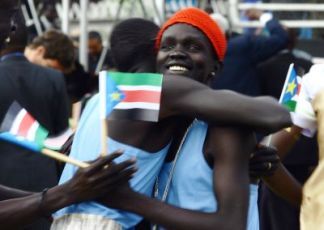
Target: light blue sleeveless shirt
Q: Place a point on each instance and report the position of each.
(86, 147)
(192, 181)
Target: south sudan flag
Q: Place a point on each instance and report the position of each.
(21, 128)
(132, 96)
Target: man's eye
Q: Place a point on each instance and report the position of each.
(194, 47)
(167, 46)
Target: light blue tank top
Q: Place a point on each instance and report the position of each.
(86, 147)
(192, 184)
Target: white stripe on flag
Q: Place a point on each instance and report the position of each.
(16, 123)
(140, 87)
(137, 105)
(31, 135)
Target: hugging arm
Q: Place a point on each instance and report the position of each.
(231, 187)
(186, 97)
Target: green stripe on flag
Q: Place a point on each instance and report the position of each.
(136, 79)
(290, 105)
(40, 136)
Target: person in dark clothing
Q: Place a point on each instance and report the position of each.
(244, 53)
(41, 91)
(276, 213)
(55, 49)
(17, 207)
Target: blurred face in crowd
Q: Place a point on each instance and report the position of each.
(7, 10)
(36, 56)
(186, 51)
(94, 47)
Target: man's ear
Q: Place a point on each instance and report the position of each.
(40, 50)
(213, 75)
(218, 66)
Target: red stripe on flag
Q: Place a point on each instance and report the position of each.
(25, 125)
(142, 96)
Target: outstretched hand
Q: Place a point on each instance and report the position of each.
(263, 161)
(100, 178)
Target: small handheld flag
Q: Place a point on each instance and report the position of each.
(133, 96)
(20, 128)
(291, 89)
(294, 98)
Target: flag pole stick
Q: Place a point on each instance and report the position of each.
(104, 134)
(103, 107)
(61, 157)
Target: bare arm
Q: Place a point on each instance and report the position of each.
(285, 185)
(186, 97)
(9, 193)
(231, 186)
(87, 184)
(282, 182)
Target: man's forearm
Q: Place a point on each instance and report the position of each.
(21, 211)
(285, 185)
(9, 193)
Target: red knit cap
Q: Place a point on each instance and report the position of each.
(202, 21)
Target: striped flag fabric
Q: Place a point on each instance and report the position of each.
(21, 128)
(291, 89)
(132, 96)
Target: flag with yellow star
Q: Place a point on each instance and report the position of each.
(291, 89)
(130, 96)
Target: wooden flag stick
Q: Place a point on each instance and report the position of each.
(104, 134)
(61, 157)
(103, 111)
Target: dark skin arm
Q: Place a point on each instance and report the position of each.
(88, 183)
(186, 97)
(282, 182)
(9, 193)
(228, 152)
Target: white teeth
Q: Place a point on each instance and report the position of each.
(177, 68)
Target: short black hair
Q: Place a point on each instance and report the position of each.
(95, 35)
(132, 42)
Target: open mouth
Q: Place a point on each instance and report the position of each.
(178, 69)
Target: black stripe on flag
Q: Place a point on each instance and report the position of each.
(134, 114)
(10, 116)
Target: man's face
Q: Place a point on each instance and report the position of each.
(94, 47)
(185, 51)
(36, 56)
(7, 10)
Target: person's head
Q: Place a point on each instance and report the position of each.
(7, 10)
(190, 44)
(52, 49)
(132, 45)
(292, 38)
(18, 39)
(94, 43)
